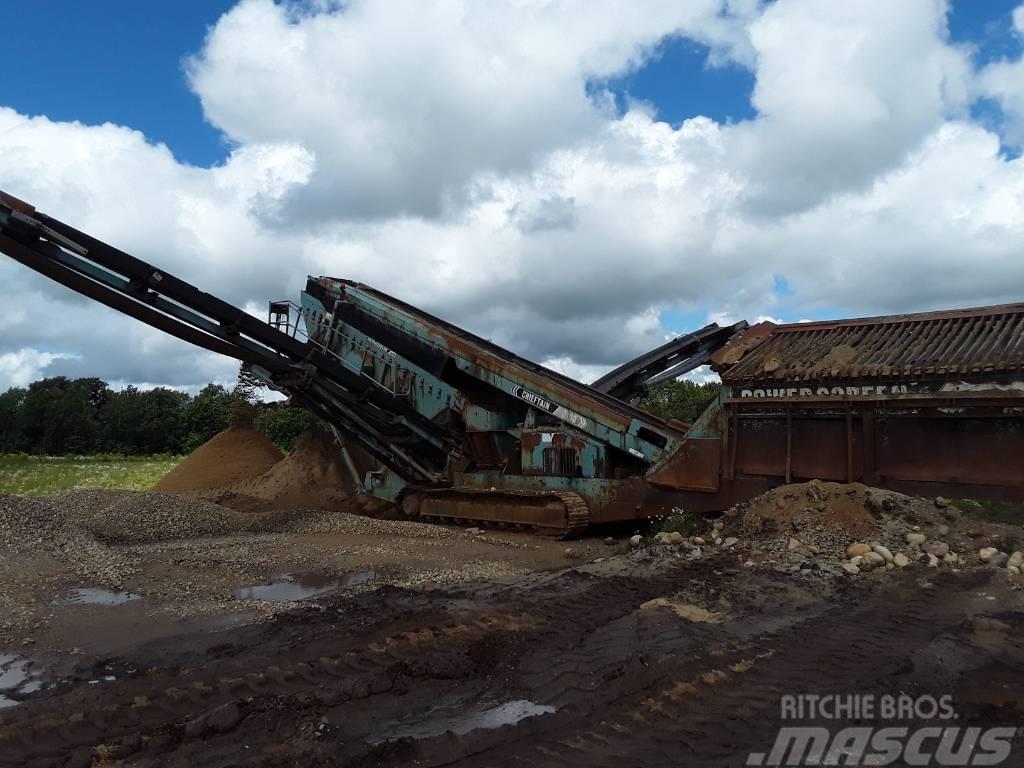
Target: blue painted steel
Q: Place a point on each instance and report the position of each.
(589, 418)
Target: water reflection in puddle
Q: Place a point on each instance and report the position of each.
(300, 586)
(13, 671)
(15, 678)
(485, 716)
(97, 596)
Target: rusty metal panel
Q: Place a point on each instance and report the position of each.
(820, 448)
(816, 446)
(944, 449)
(985, 340)
(695, 466)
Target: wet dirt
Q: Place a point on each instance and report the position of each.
(96, 596)
(290, 587)
(640, 660)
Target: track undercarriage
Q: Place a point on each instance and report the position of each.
(562, 514)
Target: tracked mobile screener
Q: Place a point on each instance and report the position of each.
(459, 428)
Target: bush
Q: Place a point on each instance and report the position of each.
(681, 522)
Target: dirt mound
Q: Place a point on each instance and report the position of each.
(851, 507)
(234, 455)
(312, 476)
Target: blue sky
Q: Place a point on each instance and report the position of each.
(123, 62)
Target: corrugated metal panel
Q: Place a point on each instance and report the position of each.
(956, 342)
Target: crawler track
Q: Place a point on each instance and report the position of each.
(637, 675)
(553, 513)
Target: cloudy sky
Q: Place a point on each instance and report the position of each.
(575, 180)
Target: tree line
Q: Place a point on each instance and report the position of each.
(59, 416)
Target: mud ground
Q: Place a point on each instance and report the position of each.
(490, 651)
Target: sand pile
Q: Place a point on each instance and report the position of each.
(234, 455)
(312, 476)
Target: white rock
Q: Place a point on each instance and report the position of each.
(901, 560)
(697, 540)
(937, 548)
(675, 538)
(1016, 560)
(871, 561)
(729, 542)
(851, 569)
(985, 554)
(634, 541)
(933, 561)
(857, 560)
(916, 539)
(884, 552)
(793, 545)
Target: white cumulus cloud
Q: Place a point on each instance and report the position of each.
(463, 157)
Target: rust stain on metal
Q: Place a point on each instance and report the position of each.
(958, 342)
(696, 465)
(530, 440)
(15, 204)
(736, 349)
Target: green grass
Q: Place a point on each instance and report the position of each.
(1009, 512)
(46, 475)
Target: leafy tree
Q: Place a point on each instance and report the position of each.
(249, 385)
(681, 399)
(137, 422)
(60, 415)
(11, 439)
(206, 414)
(284, 423)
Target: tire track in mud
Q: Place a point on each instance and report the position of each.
(175, 702)
(634, 683)
(715, 707)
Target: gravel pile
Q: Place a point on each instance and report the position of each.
(76, 527)
(313, 522)
(136, 517)
(41, 527)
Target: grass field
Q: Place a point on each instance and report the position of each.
(45, 475)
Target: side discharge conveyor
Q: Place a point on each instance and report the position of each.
(458, 428)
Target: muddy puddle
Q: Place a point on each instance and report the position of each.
(459, 720)
(16, 678)
(288, 587)
(96, 596)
